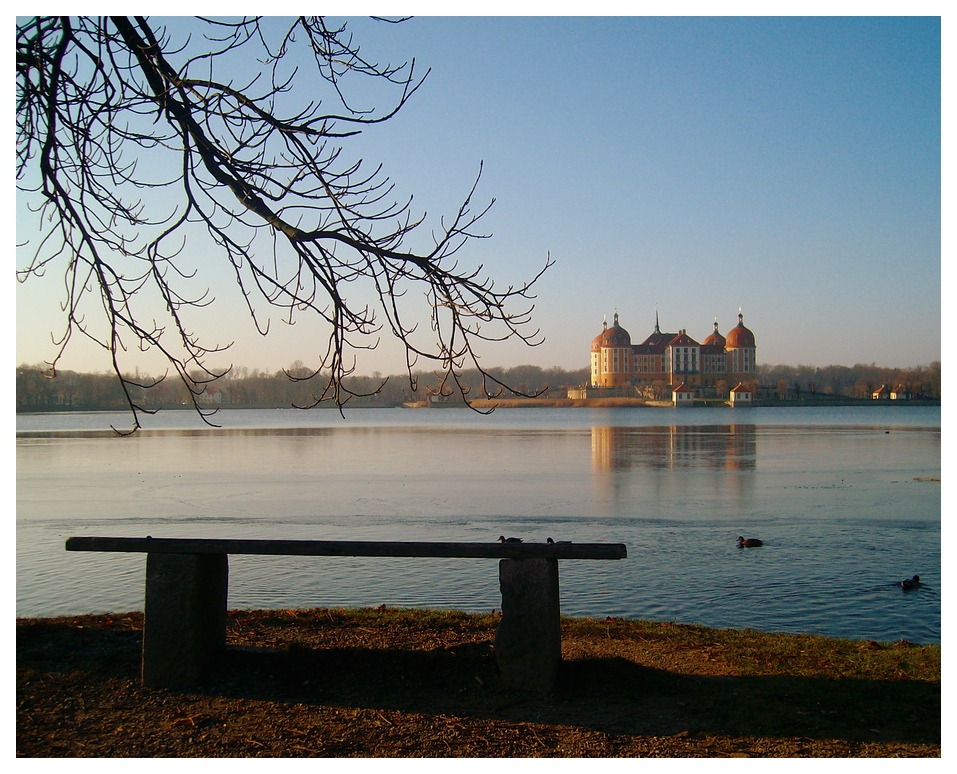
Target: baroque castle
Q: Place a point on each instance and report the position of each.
(666, 361)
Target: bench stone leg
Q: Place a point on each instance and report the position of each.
(528, 642)
(185, 619)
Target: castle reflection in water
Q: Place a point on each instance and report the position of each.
(700, 447)
(696, 469)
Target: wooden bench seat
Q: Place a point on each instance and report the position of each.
(187, 583)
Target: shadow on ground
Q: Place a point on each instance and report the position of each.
(611, 695)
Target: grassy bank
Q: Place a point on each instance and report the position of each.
(404, 683)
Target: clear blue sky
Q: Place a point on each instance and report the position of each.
(787, 166)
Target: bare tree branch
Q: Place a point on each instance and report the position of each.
(113, 110)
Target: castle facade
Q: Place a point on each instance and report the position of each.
(668, 360)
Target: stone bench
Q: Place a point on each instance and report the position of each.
(184, 622)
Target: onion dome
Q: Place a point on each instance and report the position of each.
(715, 339)
(613, 337)
(739, 336)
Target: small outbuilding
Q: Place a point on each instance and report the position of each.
(741, 395)
(682, 395)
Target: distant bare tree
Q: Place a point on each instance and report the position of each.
(112, 109)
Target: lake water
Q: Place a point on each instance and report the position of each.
(841, 498)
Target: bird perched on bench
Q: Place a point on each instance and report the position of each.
(509, 540)
(749, 543)
(911, 583)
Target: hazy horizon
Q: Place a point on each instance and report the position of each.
(381, 374)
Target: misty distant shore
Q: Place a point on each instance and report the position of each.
(506, 403)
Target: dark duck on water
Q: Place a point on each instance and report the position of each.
(749, 542)
(911, 583)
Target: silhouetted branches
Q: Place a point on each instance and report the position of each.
(132, 141)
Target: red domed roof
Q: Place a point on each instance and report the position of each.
(715, 339)
(615, 336)
(739, 336)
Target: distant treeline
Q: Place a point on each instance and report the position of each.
(244, 387)
(252, 388)
(859, 381)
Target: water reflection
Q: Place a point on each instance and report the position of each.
(674, 471)
(845, 510)
(700, 447)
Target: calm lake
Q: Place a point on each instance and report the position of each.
(847, 501)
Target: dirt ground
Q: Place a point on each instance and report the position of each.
(334, 684)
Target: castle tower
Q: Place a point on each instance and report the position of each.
(740, 347)
(611, 357)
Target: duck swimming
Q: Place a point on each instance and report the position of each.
(504, 539)
(912, 583)
(749, 543)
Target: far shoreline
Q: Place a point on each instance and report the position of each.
(496, 403)
(487, 404)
